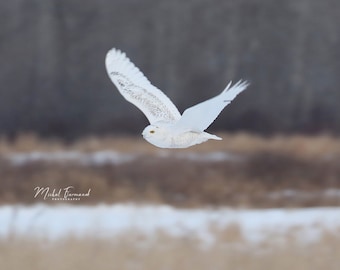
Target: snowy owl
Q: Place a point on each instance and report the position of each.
(168, 128)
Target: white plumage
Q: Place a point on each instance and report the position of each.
(167, 129)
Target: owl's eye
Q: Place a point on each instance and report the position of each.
(152, 131)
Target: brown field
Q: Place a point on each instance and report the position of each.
(297, 146)
(278, 171)
(164, 252)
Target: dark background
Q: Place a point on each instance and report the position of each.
(53, 80)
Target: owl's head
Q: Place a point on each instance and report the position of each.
(155, 135)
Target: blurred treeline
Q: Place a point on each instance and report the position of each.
(53, 79)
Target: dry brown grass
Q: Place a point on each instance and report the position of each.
(297, 146)
(182, 183)
(269, 166)
(134, 251)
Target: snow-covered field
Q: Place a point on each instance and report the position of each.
(255, 226)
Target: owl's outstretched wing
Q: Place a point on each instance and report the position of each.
(138, 90)
(199, 117)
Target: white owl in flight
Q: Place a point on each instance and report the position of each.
(168, 128)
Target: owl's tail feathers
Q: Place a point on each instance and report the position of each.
(212, 136)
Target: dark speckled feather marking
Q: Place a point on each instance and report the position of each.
(139, 95)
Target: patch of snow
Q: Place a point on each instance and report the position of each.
(101, 158)
(95, 158)
(55, 222)
(208, 157)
